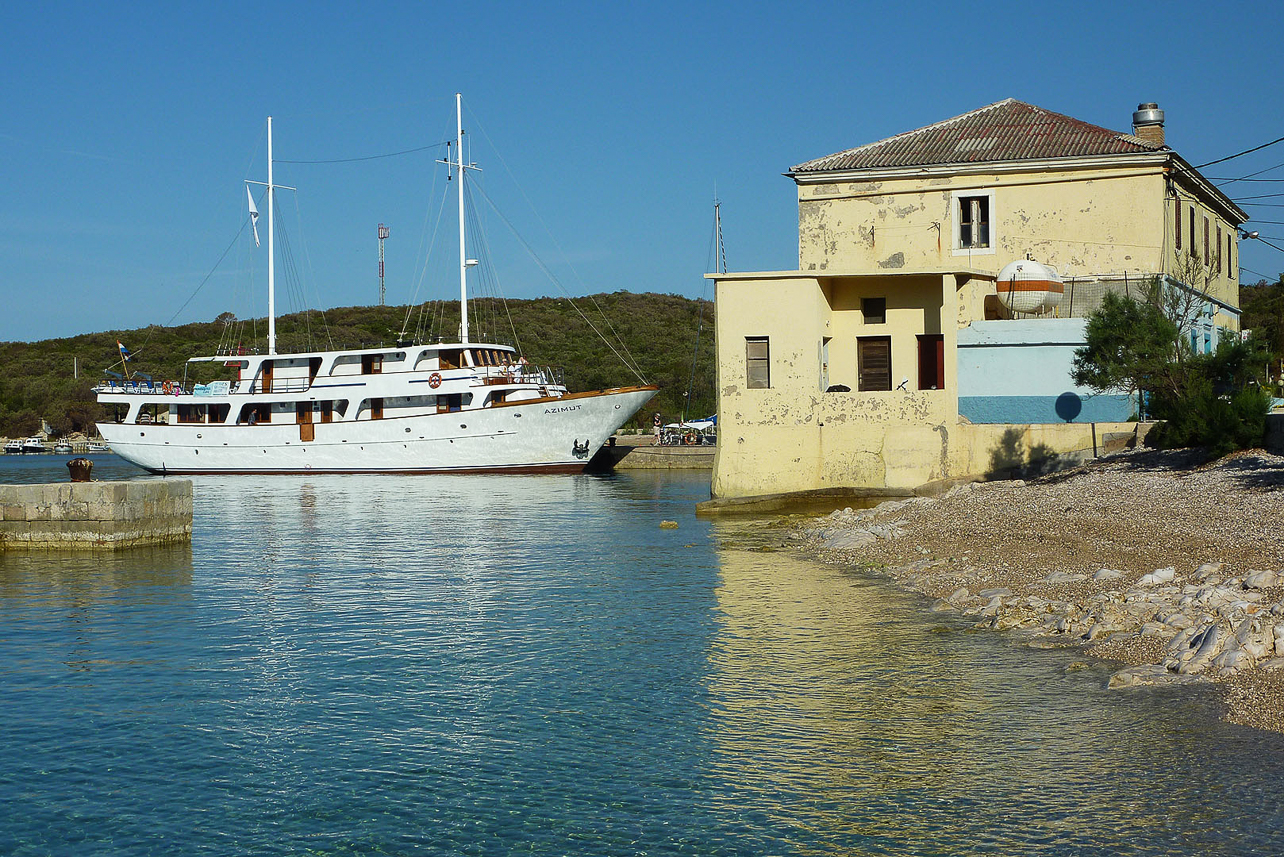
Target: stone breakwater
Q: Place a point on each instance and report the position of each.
(1150, 559)
(95, 515)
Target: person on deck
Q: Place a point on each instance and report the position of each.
(656, 422)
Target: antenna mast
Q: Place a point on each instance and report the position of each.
(383, 233)
(717, 223)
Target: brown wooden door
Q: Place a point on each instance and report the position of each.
(303, 416)
(874, 363)
(267, 376)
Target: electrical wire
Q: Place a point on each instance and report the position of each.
(1239, 154)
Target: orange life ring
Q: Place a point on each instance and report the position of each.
(434, 380)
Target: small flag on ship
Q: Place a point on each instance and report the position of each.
(254, 216)
(124, 352)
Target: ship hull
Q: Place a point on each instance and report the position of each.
(550, 436)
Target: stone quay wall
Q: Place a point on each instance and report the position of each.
(95, 515)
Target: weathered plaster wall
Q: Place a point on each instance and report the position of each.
(794, 436)
(1081, 221)
(1084, 222)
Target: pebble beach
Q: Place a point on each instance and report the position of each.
(1169, 566)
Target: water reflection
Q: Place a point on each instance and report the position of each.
(841, 705)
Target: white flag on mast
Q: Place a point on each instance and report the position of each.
(254, 216)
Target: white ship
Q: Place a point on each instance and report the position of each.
(410, 408)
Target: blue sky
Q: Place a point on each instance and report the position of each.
(604, 129)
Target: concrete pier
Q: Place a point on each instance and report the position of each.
(637, 453)
(95, 515)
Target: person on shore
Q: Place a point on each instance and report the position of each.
(656, 422)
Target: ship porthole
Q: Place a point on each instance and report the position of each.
(407, 431)
(198, 436)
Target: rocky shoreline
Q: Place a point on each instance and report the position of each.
(1154, 560)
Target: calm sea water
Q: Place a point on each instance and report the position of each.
(494, 665)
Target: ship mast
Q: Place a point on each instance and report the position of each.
(271, 254)
(464, 262)
(271, 199)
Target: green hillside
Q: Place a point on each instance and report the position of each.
(658, 332)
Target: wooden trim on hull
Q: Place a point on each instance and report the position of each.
(613, 391)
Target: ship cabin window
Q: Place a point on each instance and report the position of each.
(327, 412)
(496, 398)
(451, 359)
(153, 413)
(453, 402)
(757, 362)
(191, 413)
(874, 310)
(203, 413)
(255, 414)
(874, 363)
(371, 364)
(375, 408)
(314, 367)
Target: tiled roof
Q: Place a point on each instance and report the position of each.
(1009, 130)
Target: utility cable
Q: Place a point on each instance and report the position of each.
(1239, 154)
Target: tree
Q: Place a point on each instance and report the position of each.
(1263, 308)
(1212, 400)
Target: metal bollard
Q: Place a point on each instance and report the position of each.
(80, 469)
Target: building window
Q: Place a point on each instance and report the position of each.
(1177, 223)
(874, 310)
(1230, 261)
(974, 222)
(931, 361)
(1208, 260)
(1192, 230)
(757, 362)
(874, 363)
(1219, 248)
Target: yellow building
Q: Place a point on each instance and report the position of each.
(847, 372)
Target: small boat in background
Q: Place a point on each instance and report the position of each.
(62, 448)
(13, 447)
(34, 444)
(96, 446)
